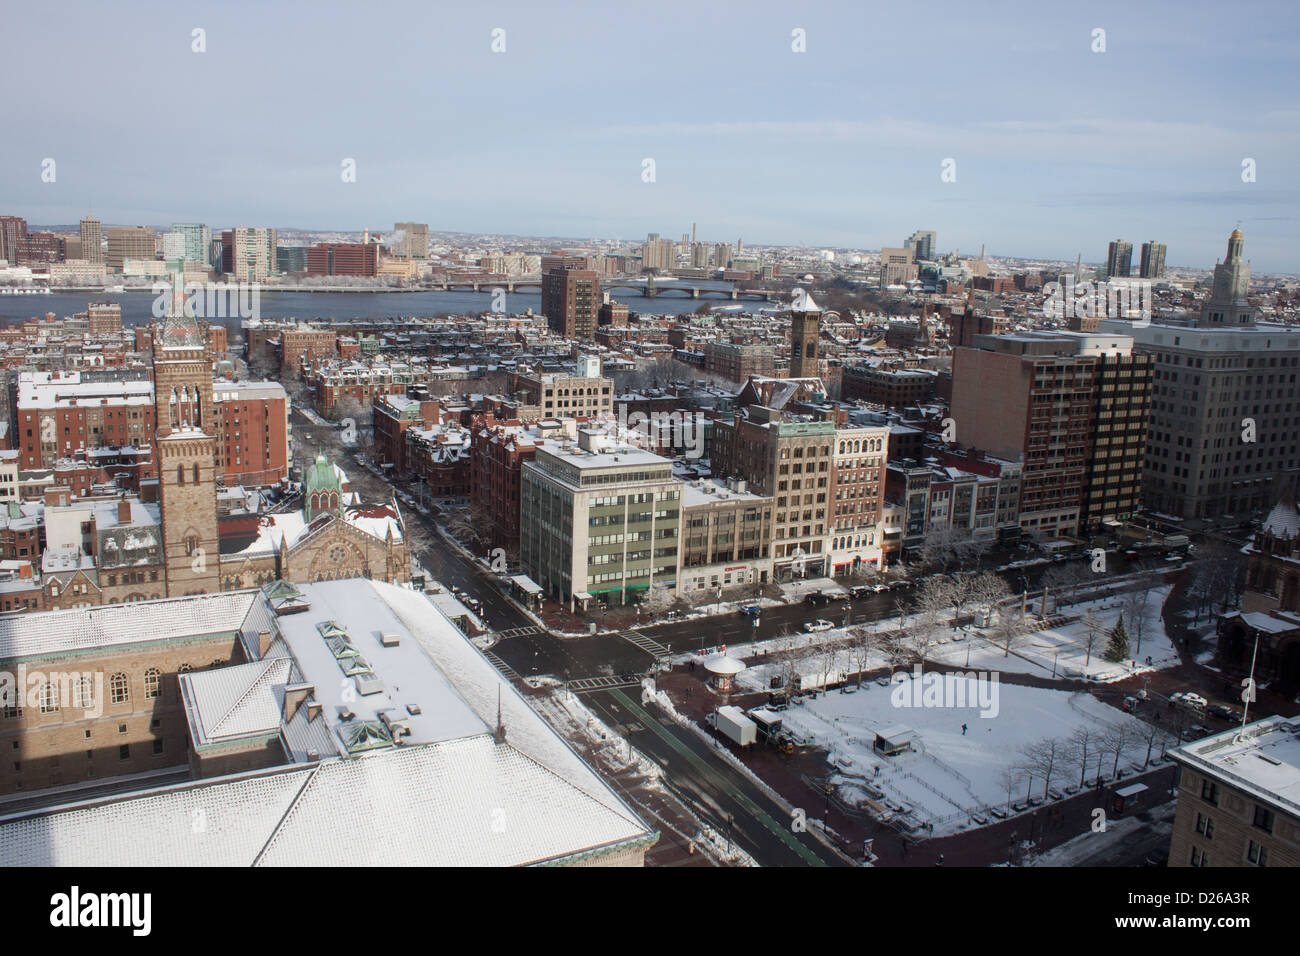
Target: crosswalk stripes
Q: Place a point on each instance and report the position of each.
(651, 647)
(520, 631)
(509, 672)
(588, 684)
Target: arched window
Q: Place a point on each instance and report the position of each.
(48, 698)
(152, 684)
(184, 669)
(119, 691)
(83, 693)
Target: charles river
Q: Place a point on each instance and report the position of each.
(138, 306)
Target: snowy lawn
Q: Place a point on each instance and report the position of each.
(952, 775)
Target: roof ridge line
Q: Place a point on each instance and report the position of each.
(279, 824)
(268, 664)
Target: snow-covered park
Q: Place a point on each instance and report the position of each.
(950, 779)
(1062, 650)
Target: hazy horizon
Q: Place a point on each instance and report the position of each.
(1058, 149)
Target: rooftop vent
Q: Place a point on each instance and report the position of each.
(390, 640)
(413, 709)
(345, 714)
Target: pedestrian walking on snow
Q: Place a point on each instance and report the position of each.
(963, 730)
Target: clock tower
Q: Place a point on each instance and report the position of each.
(185, 450)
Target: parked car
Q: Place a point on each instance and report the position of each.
(1224, 712)
(816, 599)
(821, 624)
(859, 591)
(751, 610)
(1188, 699)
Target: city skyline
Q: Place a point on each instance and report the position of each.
(800, 149)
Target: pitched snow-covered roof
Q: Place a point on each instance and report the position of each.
(468, 802)
(1284, 520)
(238, 701)
(91, 628)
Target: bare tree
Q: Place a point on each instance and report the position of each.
(987, 590)
(1063, 580)
(1139, 613)
(932, 600)
(1083, 743)
(1042, 758)
(1151, 733)
(1009, 630)
(1116, 740)
(1092, 631)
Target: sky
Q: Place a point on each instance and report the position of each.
(1058, 149)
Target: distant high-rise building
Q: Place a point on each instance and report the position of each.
(570, 301)
(700, 255)
(722, 255)
(13, 230)
(921, 244)
(343, 259)
(1153, 260)
(194, 244)
(92, 239)
(657, 253)
(248, 253)
(1119, 259)
(896, 266)
(414, 241)
(130, 242)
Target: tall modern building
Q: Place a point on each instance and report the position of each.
(1222, 438)
(921, 244)
(194, 243)
(1071, 407)
(248, 253)
(570, 301)
(1119, 259)
(92, 239)
(805, 334)
(129, 242)
(1153, 260)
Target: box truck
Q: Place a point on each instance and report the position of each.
(732, 722)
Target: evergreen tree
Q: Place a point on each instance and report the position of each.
(1117, 649)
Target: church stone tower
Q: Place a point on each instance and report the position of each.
(185, 449)
(805, 334)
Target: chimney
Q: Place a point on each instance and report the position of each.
(264, 639)
(295, 695)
